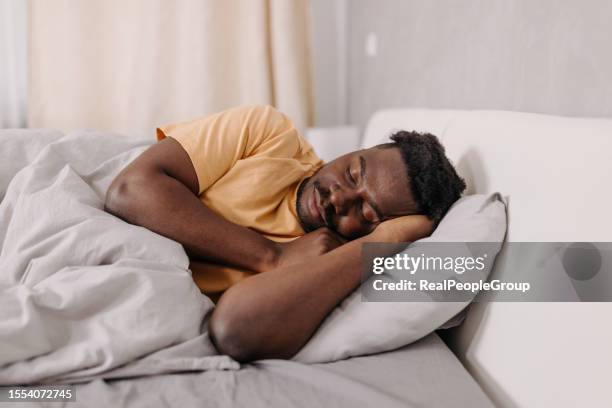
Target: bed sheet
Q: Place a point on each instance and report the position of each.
(423, 374)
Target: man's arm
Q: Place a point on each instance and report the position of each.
(272, 315)
(159, 190)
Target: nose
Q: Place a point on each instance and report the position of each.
(341, 198)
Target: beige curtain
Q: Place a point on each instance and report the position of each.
(129, 65)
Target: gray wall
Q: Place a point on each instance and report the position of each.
(330, 54)
(548, 56)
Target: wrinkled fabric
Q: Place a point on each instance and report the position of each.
(84, 294)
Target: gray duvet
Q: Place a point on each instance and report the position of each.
(84, 294)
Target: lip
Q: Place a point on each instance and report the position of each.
(315, 206)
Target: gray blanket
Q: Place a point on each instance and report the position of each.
(84, 294)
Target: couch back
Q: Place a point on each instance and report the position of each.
(556, 173)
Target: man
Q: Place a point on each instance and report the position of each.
(246, 196)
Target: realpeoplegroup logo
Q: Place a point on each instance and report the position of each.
(449, 285)
(485, 271)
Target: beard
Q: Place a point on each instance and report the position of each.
(301, 213)
(328, 210)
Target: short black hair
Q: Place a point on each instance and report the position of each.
(434, 183)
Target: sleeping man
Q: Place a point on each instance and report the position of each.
(270, 230)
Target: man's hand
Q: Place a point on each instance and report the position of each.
(307, 247)
(407, 228)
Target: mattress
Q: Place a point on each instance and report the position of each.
(423, 374)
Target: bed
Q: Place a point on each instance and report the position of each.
(36, 349)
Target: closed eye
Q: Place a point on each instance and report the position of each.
(350, 177)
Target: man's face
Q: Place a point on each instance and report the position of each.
(354, 193)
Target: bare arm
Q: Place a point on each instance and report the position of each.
(159, 190)
(273, 315)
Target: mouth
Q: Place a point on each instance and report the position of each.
(315, 206)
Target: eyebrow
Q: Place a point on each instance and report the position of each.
(362, 163)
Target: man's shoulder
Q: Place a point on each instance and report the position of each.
(256, 111)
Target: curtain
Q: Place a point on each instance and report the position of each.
(130, 65)
(12, 63)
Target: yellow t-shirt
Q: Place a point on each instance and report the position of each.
(249, 162)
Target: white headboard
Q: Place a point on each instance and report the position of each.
(556, 172)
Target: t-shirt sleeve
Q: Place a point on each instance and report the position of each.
(215, 143)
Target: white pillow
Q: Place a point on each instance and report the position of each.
(357, 328)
